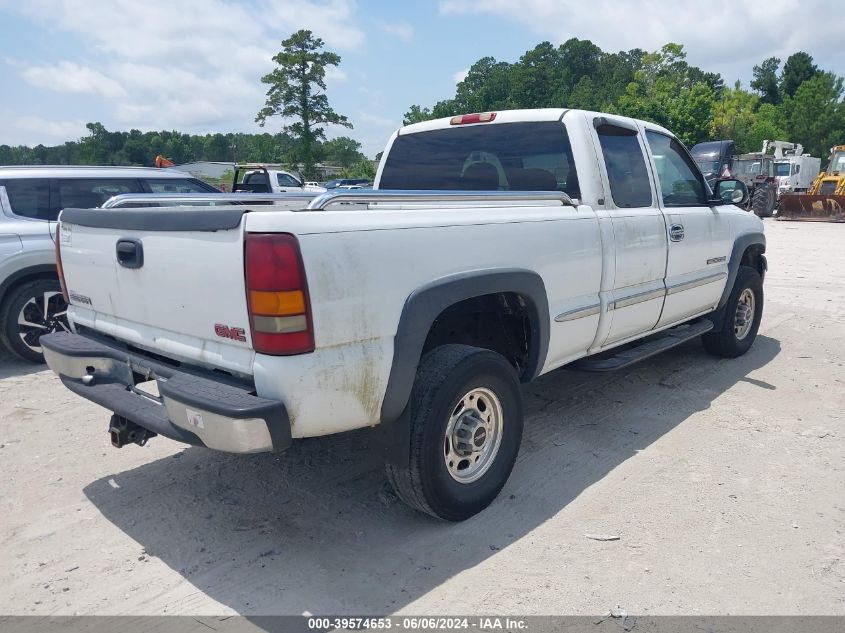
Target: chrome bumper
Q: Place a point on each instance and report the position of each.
(192, 405)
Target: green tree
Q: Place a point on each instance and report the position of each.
(815, 116)
(416, 114)
(296, 86)
(799, 67)
(362, 169)
(769, 123)
(669, 92)
(689, 113)
(765, 80)
(343, 151)
(733, 116)
(536, 80)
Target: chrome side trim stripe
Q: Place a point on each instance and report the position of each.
(634, 299)
(695, 283)
(578, 313)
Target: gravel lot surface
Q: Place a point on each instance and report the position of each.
(724, 481)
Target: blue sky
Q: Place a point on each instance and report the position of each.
(194, 65)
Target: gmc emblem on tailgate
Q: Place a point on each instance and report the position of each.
(234, 333)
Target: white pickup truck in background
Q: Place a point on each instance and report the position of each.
(495, 248)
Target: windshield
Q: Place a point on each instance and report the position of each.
(838, 162)
(531, 156)
(708, 166)
(781, 169)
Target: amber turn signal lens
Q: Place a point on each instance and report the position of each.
(277, 303)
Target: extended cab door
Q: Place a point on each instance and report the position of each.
(698, 235)
(636, 292)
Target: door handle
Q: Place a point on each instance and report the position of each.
(676, 232)
(130, 252)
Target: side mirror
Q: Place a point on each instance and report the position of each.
(731, 191)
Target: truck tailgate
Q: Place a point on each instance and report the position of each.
(167, 280)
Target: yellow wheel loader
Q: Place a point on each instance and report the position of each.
(825, 199)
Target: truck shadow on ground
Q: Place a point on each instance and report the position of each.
(317, 529)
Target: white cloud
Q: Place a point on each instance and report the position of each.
(460, 75)
(33, 130)
(379, 121)
(335, 74)
(189, 64)
(401, 30)
(67, 76)
(729, 42)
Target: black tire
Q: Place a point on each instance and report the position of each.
(764, 200)
(30, 297)
(445, 376)
(725, 343)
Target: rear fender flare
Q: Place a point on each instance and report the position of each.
(421, 309)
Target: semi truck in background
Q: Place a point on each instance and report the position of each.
(714, 158)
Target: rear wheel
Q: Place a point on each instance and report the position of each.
(466, 427)
(31, 310)
(743, 312)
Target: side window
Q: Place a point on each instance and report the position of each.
(680, 183)
(176, 185)
(286, 180)
(30, 198)
(626, 170)
(87, 193)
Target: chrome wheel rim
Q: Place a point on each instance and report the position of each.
(744, 314)
(41, 315)
(473, 435)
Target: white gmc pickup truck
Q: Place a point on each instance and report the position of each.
(496, 247)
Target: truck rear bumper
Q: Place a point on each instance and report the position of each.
(192, 405)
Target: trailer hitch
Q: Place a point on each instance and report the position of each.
(123, 432)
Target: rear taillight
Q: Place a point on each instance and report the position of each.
(59, 269)
(478, 117)
(277, 295)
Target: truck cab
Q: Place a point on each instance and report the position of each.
(714, 158)
(264, 179)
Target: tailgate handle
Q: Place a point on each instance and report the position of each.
(130, 252)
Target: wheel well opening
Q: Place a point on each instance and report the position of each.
(500, 322)
(24, 279)
(753, 257)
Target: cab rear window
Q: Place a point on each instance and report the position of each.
(531, 156)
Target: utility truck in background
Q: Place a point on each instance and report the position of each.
(794, 170)
(495, 247)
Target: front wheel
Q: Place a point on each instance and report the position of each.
(33, 309)
(466, 427)
(743, 312)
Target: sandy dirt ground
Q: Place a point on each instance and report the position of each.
(723, 479)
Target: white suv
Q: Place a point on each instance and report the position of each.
(31, 302)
